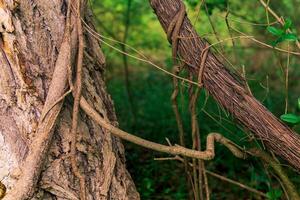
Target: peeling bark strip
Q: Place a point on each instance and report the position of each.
(227, 91)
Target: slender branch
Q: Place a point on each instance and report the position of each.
(193, 96)
(287, 81)
(172, 35)
(176, 70)
(55, 103)
(208, 154)
(264, 44)
(223, 178)
(206, 186)
(196, 128)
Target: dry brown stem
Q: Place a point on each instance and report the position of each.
(223, 178)
(208, 154)
(176, 70)
(77, 91)
(172, 34)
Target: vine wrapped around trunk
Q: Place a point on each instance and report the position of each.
(34, 154)
(227, 90)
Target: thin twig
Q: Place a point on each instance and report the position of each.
(173, 37)
(206, 186)
(282, 186)
(196, 128)
(137, 58)
(287, 81)
(279, 19)
(245, 79)
(246, 22)
(195, 140)
(223, 178)
(55, 103)
(174, 96)
(266, 45)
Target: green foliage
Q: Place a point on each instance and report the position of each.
(274, 194)
(287, 24)
(193, 3)
(213, 4)
(289, 37)
(282, 34)
(275, 31)
(290, 118)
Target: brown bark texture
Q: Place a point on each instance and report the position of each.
(31, 34)
(228, 89)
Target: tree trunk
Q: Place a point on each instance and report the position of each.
(227, 90)
(31, 37)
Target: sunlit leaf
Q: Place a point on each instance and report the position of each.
(290, 118)
(275, 31)
(287, 24)
(290, 37)
(299, 103)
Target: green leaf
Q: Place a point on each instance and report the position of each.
(275, 31)
(299, 103)
(287, 24)
(274, 194)
(290, 118)
(290, 37)
(285, 37)
(279, 40)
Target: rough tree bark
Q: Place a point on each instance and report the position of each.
(31, 33)
(227, 90)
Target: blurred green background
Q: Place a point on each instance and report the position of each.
(141, 93)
